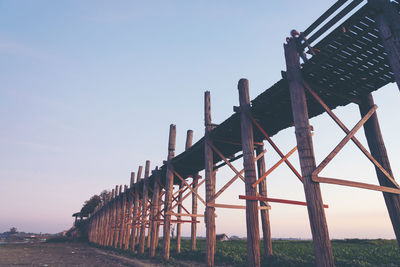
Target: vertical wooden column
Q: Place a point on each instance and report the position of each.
(114, 215)
(142, 241)
(378, 151)
(210, 183)
(129, 211)
(135, 212)
(253, 235)
(178, 224)
(118, 217)
(316, 213)
(388, 22)
(123, 217)
(169, 185)
(154, 211)
(111, 219)
(262, 188)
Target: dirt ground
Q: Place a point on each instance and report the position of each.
(64, 254)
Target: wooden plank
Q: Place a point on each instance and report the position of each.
(210, 183)
(319, 227)
(185, 215)
(278, 200)
(274, 167)
(229, 206)
(169, 177)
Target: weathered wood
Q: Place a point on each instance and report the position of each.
(319, 228)
(169, 178)
(123, 218)
(277, 200)
(253, 235)
(142, 239)
(178, 225)
(262, 189)
(135, 209)
(388, 22)
(210, 183)
(118, 219)
(130, 211)
(188, 194)
(154, 212)
(229, 206)
(378, 150)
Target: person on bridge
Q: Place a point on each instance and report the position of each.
(300, 39)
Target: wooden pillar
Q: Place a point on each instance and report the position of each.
(169, 185)
(154, 211)
(253, 235)
(316, 213)
(210, 183)
(142, 241)
(262, 188)
(114, 225)
(135, 210)
(123, 217)
(388, 23)
(110, 214)
(130, 211)
(178, 225)
(118, 217)
(378, 151)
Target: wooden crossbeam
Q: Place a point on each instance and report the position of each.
(188, 194)
(274, 146)
(240, 207)
(347, 131)
(189, 187)
(185, 215)
(356, 184)
(274, 167)
(180, 221)
(277, 200)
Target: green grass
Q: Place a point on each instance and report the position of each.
(349, 252)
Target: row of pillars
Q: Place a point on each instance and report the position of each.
(122, 221)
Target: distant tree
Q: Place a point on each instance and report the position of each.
(105, 195)
(90, 205)
(13, 230)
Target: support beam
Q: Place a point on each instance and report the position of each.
(130, 211)
(378, 150)
(388, 23)
(154, 212)
(262, 188)
(142, 239)
(210, 183)
(319, 227)
(135, 209)
(123, 218)
(253, 235)
(169, 184)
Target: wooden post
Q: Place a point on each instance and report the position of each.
(378, 151)
(178, 225)
(262, 187)
(319, 227)
(169, 185)
(114, 225)
(154, 212)
(118, 217)
(130, 211)
(123, 218)
(253, 235)
(110, 225)
(388, 23)
(142, 241)
(135, 209)
(209, 218)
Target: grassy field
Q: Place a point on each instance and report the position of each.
(351, 252)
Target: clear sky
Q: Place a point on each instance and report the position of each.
(88, 90)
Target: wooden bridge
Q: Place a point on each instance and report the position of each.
(359, 56)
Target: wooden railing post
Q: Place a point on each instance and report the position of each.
(378, 151)
(262, 187)
(253, 235)
(135, 209)
(169, 185)
(210, 183)
(316, 213)
(142, 241)
(154, 211)
(388, 23)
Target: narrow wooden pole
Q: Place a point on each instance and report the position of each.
(110, 210)
(319, 227)
(118, 217)
(178, 225)
(388, 22)
(378, 150)
(129, 211)
(135, 209)
(142, 241)
(210, 183)
(253, 235)
(114, 226)
(169, 184)
(123, 218)
(154, 212)
(262, 187)
(159, 214)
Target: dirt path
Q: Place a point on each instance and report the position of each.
(64, 254)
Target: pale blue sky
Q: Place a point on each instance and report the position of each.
(88, 90)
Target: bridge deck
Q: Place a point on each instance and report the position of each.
(352, 63)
